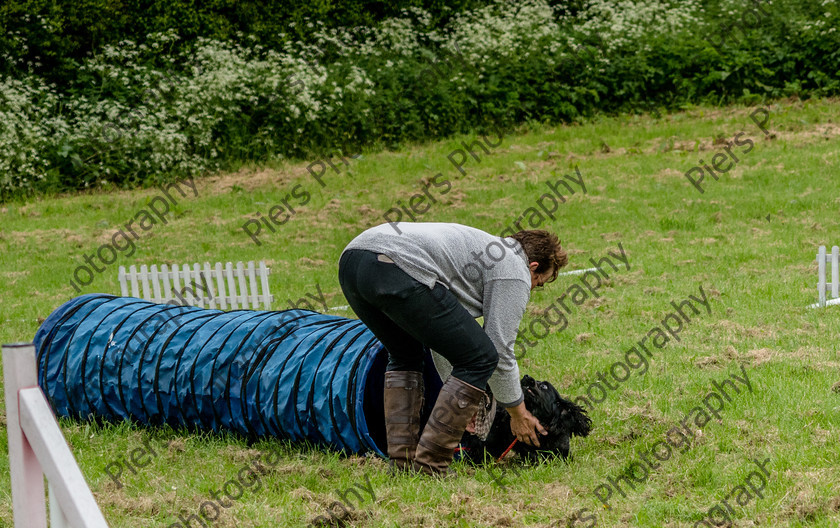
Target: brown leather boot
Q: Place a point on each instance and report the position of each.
(455, 406)
(403, 403)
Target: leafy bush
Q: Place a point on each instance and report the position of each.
(59, 34)
(138, 112)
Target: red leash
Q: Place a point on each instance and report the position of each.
(459, 448)
(508, 449)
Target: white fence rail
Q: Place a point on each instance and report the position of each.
(829, 292)
(576, 272)
(206, 286)
(37, 448)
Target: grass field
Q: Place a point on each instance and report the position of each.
(748, 241)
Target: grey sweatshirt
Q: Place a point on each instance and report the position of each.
(487, 274)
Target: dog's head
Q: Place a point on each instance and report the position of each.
(560, 417)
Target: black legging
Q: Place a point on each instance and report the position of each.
(406, 315)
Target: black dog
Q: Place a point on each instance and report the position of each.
(560, 417)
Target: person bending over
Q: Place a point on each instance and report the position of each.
(423, 285)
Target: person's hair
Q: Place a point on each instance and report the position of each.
(542, 247)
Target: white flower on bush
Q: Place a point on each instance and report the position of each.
(151, 113)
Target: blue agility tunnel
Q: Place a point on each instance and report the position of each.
(294, 374)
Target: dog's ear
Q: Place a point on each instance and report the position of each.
(581, 424)
(557, 418)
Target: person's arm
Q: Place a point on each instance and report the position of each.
(504, 305)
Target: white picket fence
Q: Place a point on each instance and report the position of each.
(36, 449)
(206, 286)
(826, 297)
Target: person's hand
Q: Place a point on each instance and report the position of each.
(523, 425)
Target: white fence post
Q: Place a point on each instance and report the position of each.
(234, 301)
(27, 481)
(835, 272)
(135, 290)
(264, 281)
(57, 518)
(123, 284)
(220, 286)
(252, 282)
(243, 289)
(37, 448)
(821, 278)
(57, 462)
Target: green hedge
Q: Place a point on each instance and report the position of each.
(139, 112)
(59, 34)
